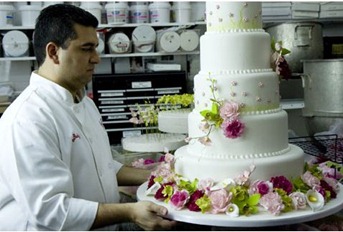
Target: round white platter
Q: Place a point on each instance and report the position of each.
(259, 220)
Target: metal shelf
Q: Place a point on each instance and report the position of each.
(292, 104)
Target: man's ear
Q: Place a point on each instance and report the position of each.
(52, 52)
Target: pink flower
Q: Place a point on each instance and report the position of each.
(299, 200)
(219, 200)
(179, 199)
(272, 202)
(138, 163)
(261, 187)
(229, 110)
(168, 157)
(309, 179)
(233, 129)
(282, 182)
(191, 205)
(205, 184)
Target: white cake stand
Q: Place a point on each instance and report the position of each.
(260, 220)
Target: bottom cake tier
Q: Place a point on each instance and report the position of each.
(192, 165)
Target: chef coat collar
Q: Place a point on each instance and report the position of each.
(58, 91)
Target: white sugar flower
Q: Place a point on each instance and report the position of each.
(153, 189)
(227, 183)
(315, 200)
(232, 210)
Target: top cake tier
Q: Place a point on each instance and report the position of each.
(226, 16)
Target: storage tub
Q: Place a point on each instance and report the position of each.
(181, 12)
(94, 8)
(117, 13)
(159, 12)
(6, 15)
(29, 14)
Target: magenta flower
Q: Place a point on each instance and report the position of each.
(282, 182)
(149, 161)
(219, 200)
(159, 195)
(261, 187)
(272, 202)
(179, 199)
(233, 129)
(193, 198)
(229, 110)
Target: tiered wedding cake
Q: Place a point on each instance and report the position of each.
(237, 120)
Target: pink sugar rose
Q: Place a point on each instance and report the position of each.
(205, 184)
(233, 129)
(272, 202)
(229, 110)
(309, 179)
(179, 199)
(219, 200)
(299, 200)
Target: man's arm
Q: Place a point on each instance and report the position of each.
(130, 176)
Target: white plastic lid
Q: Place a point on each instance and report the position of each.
(30, 7)
(139, 7)
(144, 38)
(15, 43)
(181, 5)
(156, 5)
(7, 7)
(119, 43)
(116, 5)
(90, 5)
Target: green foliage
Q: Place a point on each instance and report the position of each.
(204, 203)
(191, 187)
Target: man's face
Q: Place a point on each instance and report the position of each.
(78, 61)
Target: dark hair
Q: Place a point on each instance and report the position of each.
(56, 24)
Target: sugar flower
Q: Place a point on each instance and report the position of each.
(229, 110)
(299, 200)
(191, 205)
(232, 210)
(315, 200)
(219, 200)
(282, 183)
(310, 179)
(261, 187)
(179, 199)
(272, 202)
(153, 189)
(233, 129)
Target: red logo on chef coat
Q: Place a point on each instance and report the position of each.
(75, 137)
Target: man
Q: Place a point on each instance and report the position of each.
(56, 167)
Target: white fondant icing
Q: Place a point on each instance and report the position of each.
(155, 142)
(174, 121)
(235, 66)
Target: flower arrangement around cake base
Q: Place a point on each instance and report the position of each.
(243, 196)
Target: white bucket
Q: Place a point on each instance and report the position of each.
(94, 8)
(6, 15)
(139, 13)
(29, 14)
(198, 11)
(159, 12)
(182, 12)
(117, 13)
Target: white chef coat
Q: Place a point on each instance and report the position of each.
(55, 161)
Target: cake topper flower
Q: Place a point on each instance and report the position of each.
(278, 61)
(223, 114)
(241, 195)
